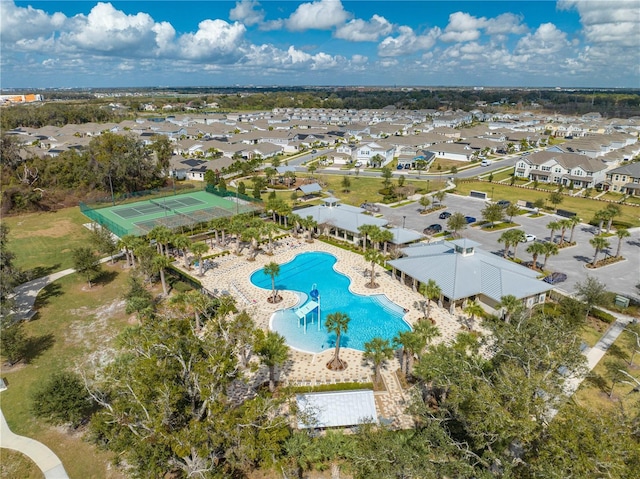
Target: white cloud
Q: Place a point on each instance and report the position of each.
(215, 39)
(463, 27)
(17, 23)
(247, 12)
(359, 30)
(611, 21)
(319, 15)
(546, 40)
(407, 42)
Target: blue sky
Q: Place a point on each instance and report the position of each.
(567, 43)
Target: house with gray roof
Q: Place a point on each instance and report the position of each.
(555, 166)
(464, 272)
(625, 179)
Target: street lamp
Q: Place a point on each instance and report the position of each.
(403, 219)
(492, 197)
(428, 186)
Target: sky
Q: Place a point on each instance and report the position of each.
(564, 43)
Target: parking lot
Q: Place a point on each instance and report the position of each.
(621, 277)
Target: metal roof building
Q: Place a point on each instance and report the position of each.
(462, 271)
(336, 409)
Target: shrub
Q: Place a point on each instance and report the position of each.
(61, 399)
(603, 315)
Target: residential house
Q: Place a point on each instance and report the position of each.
(625, 179)
(366, 154)
(552, 166)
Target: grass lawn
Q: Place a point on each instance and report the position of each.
(501, 175)
(45, 240)
(584, 207)
(73, 327)
(445, 165)
(14, 464)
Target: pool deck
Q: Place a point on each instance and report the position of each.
(232, 273)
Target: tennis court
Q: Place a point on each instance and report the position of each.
(181, 211)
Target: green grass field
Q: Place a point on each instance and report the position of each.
(45, 240)
(73, 327)
(584, 207)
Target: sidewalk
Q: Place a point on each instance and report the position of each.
(44, 457)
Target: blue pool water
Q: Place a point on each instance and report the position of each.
(371, 316)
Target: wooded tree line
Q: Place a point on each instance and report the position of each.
(56, 114)
(111, 162)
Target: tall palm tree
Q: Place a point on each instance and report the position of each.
(612, 212)
(198, 250)
(621, 233)
(535, 249)
(564, 225)
(365, 231)
(601, 216)
(599, 243)
(384, 237)
(296, 221)
(510, 304)
(505, 238)
(160, 264)
(410, 343)
(431, 291)
(553, 227)
(272, 269)
(337, 323)
(550, 249)
(575, 221)
(373, 256)
(182, 242)
(309, 224)
(427, 332)
(378, 351)
(127, 243)
(517, 237)
(270, 229)
(273, 352)
(473, 309)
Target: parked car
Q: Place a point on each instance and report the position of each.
(528, 238)
(373, 208)
(444, 215)
(555, 278)
(358, 164)
(504, 203)
(432, 229)
(470, 219)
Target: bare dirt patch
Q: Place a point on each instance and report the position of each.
(58, 229)
(94, 323)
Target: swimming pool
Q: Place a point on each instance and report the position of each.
(371, 316)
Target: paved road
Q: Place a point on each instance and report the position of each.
(44, 457)
(620, 277)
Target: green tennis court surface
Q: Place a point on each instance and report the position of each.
(175, 212)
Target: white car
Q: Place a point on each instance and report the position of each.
(529, 238)
(485, 163)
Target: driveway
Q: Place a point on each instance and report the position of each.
(620, 277)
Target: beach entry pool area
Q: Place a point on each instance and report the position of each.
(308, 273)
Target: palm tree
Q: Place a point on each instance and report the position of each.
(553, 226)
(505, 238)
(337, 323)
(510, 304)
(378, 351)
(612, 212)
(198, 250)
(621, 233)
(535, 249)
(456, 222)
(564, 224)
(269, 229)
(127, 243)
(599, 243)
(373, 256)
(273, 351)
(296, 221)
(384, 237)
(272, 269)
(517, 237)
(473, 309)
(550, 249)
(160, 264)
(600, 217)
(410, 343)
(193, 302)
(431, 291)
(575, 221)
(309, 224)
(365, 230)
(427, 333)
(183, 243)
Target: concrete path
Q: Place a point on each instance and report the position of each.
(44, 457)
(25, 295)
